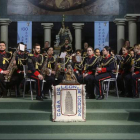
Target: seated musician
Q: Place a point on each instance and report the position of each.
(50, 77)
(84, 51)
(124, 78)
(21, 59)
(136, 72)
(108, 64)
(66, 47)
(5, 58)
(97, 52)
(35, 62)
(78, 65)
(90, 63)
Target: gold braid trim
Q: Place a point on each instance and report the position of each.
(39, 64)
(51, 61)
(42, 59)
(69, 49)
(89, 65)
(137, 60)
(128, 59)
(67, 60)
(10, 56)
(137, 67)
(76, 67)
(108, 62)
(20, 61)
(5, 60)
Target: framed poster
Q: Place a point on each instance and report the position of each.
(68, 103)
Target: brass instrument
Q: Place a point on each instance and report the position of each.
(59, 66)
(133, 65)
(45, 71)
(11, 67)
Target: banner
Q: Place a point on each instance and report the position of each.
(68, 103)
(101, 34)
(24, 33)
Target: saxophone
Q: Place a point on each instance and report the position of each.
(45, 71)
(11, 67)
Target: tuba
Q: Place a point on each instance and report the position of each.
(11, 67)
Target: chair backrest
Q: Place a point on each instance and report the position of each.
(117, 72)
(25, 69)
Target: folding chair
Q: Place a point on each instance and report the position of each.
(25, 68)
(107, 86)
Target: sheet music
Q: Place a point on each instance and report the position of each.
(21, 47)
(63, 55)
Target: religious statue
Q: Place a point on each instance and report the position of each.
(63, 34)
(69, 76)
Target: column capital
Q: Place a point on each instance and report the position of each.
(120, 21)
(5, 21)
(78, 25)
(132, 17)
(47, 25)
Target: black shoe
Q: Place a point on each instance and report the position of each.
(136, 96)
(87, 96)
(39, 98)
(100, 98)
(44, 97)
(129, 95)
(3, 96)
(97, 96)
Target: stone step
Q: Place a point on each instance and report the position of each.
(110, 103)
(47, 127)
(91, 114)
(96, 136)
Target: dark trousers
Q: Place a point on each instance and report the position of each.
(89, 81)
(6, 85)
(38, 84)
(128, 83)
(3, 85)
(50, 80)
(98, 82)
(59, 79)
(124, 83)
(135, 84)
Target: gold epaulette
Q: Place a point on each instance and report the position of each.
(112, 58)
(93, 63)
(10, 55)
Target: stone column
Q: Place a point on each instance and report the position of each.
(4, 30)
(120, 32)
(132, 27)
(47, 31)
(78, 35)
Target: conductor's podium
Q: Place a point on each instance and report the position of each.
(68, 103)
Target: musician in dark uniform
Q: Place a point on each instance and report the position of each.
(124, 78)
(97, 52)
(90, 63)
(77, 65)
(5, 58)
(84, 51)
(66, 48)
(105, 71)
(21, 59)
(136, 73)
(46, 47)
(50, 77)
(35, 62)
